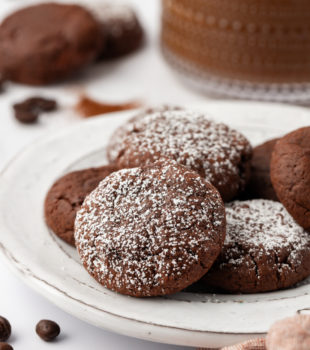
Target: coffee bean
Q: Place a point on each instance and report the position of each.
(43, 104)
(26, 117)
(28, 110)
(5, 329)
(5, 346)
(47, 330)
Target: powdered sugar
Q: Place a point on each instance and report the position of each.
(117, 17)
(117, 138)
(215, 151)
(261, 227)
(264, 249)
(143, 229)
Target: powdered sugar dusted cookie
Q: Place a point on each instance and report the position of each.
(292, 333)
(219, 154)
(121, 29)
(115, 144)
(264, 250)
(150, 231)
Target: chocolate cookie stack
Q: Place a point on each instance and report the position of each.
(154, 222)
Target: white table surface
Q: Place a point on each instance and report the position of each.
(143, 76)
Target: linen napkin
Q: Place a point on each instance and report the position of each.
(253, 344)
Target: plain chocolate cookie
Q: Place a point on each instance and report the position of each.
(151, 230)
(122, 32)
(218, 153)
(260, 185)
(264, 249)
(44, 43)
(66, 196)
(290, 174)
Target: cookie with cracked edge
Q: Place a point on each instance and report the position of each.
(45, 43)
(66, 196)
(151, 230)
(290, 174)
(264, 249)
(218, 153)
(259, 185)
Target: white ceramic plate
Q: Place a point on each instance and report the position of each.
(53, 269)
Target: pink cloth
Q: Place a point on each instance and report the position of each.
(253, 344)
(292, 333)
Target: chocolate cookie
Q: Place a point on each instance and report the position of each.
(264, 249)
(260, 185)
(44, 43)
(150, 231)
(66, 196)
(121, 30)
(219, 154)
(290, 174)
(115, 144)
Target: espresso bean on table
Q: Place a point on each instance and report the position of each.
(5, 329)
(26, 117)
(47, 330)
(5, 346)
(40, 103)
(28, 110)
